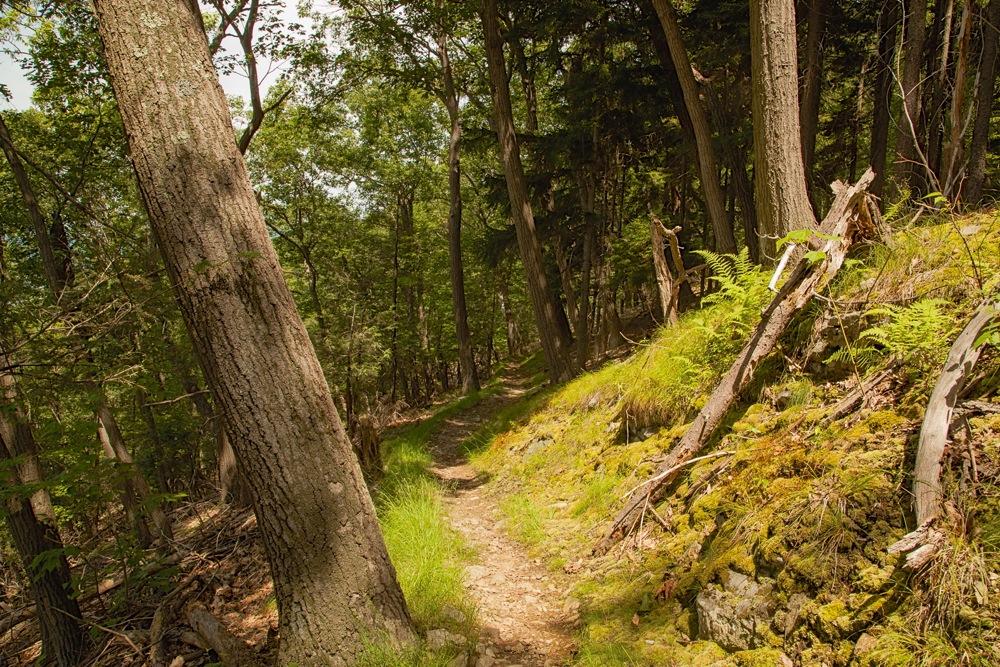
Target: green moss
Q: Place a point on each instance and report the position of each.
(764, 657)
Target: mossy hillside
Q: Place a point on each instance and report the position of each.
(804, 508)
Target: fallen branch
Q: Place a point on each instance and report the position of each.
(233, 651)
(937, 419)
(677, 467)
(848, 213)
(920, 546)
(25, 614)
(858, 395)
(162, 618)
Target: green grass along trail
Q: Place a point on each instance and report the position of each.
(527, 611)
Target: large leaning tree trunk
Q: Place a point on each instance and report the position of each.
(848, 219)
(334, 583)
(779, 175)
(43, 556)
(466, 358)
(555, 346)
(708, 166)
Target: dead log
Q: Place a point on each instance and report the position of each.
(669, 283)
(232, 651)
(22, 615)
(937, 419)
(837, 232)
(917, 548)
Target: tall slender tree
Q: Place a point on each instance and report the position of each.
(910, 169)
(554, 345)
(708, 166)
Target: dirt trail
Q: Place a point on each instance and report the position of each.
(522, 605)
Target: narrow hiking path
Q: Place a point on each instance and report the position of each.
(523, 607)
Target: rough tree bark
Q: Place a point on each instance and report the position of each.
(554, 346)
(809, 112)
(976, 171)
(44, 561)
(779, 176)
(909, 163)
(333, 580)
(848, 213)
(466, 356)
(950, 173)
(708, 165)
(888, 22)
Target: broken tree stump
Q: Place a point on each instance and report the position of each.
(848, 215)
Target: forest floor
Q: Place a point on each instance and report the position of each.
(525, 609)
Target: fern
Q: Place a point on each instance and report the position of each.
(899, 207)
(741, 293)
(916, 335)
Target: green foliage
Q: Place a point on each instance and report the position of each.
(915, 335)
(428, 556)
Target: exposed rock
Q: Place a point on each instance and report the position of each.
(460, 660)
(865, 644)
(454, 614)
(537, 446)
(730, 617)
(440, 638)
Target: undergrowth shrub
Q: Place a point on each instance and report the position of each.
(915, 335)
(669, 377)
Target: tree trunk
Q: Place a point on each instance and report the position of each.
(984, 105)
(939, 50)
(940, 407)
(16, 432)
(466, 356)
(888, 21)
(951, 163)
(44, 560)
(114, 447)
(909, 164)
(708, 165)
(513, 335)
(335, 586)
(566, 278)
(56, 267)
(583, 311)
(162, 484)
(779, 177)
(544, 305)
(809, 113)
(664, 280)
